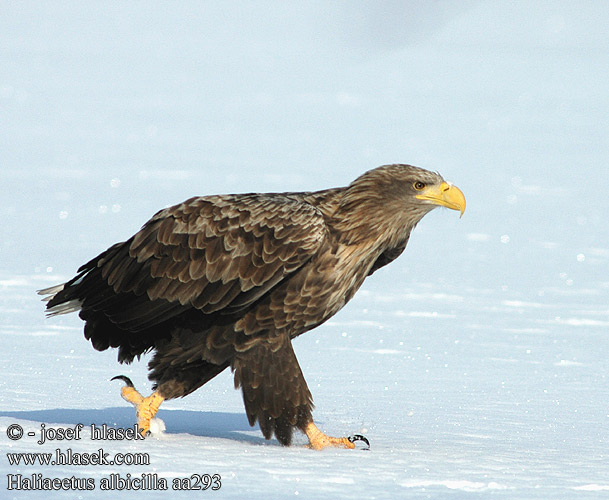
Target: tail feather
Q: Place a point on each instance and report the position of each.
(64, 308)
(61, 308)
(51, 291)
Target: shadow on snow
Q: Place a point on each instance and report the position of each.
(198, 423)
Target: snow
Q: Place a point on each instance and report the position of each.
(476, 364)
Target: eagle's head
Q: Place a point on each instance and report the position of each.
(404, 188)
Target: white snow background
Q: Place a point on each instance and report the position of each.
(476, 363)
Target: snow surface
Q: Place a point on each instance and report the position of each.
(476, 363)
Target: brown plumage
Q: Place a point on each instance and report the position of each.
(230, 280)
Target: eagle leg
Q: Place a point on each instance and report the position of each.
(146, 408)
(318, 440)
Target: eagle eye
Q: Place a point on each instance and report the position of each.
(419, 186)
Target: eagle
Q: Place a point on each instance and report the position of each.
(228, 281)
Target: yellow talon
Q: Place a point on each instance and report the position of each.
(146, 408)
(132, 395)
(318, 440)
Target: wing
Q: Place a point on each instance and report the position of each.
(217, 254)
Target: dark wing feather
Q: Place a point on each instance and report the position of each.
(218, 254)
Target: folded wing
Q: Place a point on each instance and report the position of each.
(216, 254)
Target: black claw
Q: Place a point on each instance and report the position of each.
(127, 380)
(359, 437)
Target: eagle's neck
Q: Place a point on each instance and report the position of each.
(358, 216)
(374, 222)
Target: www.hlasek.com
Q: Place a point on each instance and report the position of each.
(69, 457)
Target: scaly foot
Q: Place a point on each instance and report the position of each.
(146, 408)
(318, 440)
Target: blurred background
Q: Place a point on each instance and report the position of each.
(110, 111)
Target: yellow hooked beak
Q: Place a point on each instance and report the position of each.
(445, 195)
